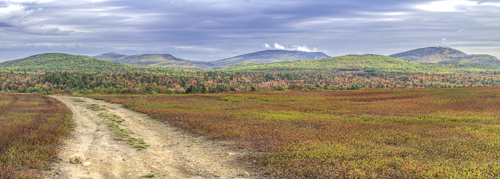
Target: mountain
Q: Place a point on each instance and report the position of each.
(162, 60)
(73, 63)
(167, 60)
(360, 63)
(333, 64)
(268, 56)
(442, 54)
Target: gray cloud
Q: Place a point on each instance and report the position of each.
(215, 29)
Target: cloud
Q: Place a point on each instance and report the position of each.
(216, 29)
(302, 48)
(453, 5)
(46, 30)
(446, 6)
(28, 1)
(13, 12)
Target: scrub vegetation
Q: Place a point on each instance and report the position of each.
(405, 133)
(31, 127)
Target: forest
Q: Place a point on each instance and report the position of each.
(366, 63)
(56, 73)
(213, 81)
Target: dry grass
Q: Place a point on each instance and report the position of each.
(31, 128)
(422, 133)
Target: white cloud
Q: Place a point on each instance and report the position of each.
(46, 30)
(14, 11)
(17, 14)
(26, 1)
(395, 13)
(302, 48)
(443, 40)
(279, 47)
(445, 6)
(452, 5)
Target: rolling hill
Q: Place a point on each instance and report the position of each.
(442, 54)
(361, 63)
(343, 64)
(161, 60)
(167, 60)
(72, 63)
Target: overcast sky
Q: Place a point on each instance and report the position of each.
(208, 30)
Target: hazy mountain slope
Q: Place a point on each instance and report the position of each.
(110, 56)
(441, 54)
(268, 56)
(360, 63)
(167, 60)
(163, 60)
(65, 62)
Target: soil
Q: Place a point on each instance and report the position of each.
(173, 152)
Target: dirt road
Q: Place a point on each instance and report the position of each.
(173, 153)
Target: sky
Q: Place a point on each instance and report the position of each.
(208, 30)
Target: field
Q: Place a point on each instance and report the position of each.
(420, 133)
(31, 128)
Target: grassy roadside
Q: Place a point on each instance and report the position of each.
(31, 128)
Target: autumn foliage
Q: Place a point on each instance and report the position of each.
(215, 82)
(31, 128)
(410, 133)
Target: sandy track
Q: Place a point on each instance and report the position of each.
(173, 153)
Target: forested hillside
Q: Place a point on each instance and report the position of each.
(50, 62)
(443, 54)
(360, 63)
(213, 82)
(59, 73)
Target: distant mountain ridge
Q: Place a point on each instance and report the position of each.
(443, 54)
(268, 56)
(161, 60)
(370, 63)
(51, 62)
(74, 63)
(168, 60)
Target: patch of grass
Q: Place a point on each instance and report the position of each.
(141, 141)
(79, 100)
(96, 107)
(122, 134)
(137, 143)
(131, 141)
(148, 176)
(112, 117)
(138, 146)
